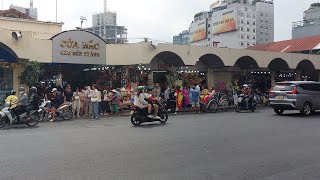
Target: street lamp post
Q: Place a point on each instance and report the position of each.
(82, 19)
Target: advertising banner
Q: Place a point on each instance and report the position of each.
(224, 21)
(198, 31)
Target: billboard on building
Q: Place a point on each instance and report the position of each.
(224, 21)
(198, 30)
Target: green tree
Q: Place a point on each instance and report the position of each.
(30, 75)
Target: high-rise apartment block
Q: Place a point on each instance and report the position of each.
(310, 26)
(234, 24)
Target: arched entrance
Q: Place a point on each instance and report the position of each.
(246, 62)
(307, 71)
(7, 58)
(280, 71)
(214, 71)
(163, 65)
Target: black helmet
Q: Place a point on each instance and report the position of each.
(13, 92)
(33, 89)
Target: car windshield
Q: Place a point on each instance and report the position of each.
(284, 87)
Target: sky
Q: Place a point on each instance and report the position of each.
(158, 20)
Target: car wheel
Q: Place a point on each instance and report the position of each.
(278, 111)
(306, 110)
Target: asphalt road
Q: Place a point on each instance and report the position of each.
(228, 145)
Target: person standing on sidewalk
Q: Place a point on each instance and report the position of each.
(95, 101)
(172, 104)
(76, 104)
(87, 101)
(195, 97)
(114, 102)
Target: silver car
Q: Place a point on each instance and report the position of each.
(295, 95)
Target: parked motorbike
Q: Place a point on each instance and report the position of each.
(7, 117)
(140, 116)
(240, 105)
(63, 112)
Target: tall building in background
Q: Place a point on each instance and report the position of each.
(105, 25)
(182, 38)
(31, 11)
(310, 26)
(234, 24)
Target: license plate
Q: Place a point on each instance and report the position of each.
(280, 97)
(131, 112)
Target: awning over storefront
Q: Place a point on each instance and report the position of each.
(7, 55)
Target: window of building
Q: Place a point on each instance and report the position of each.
(241, 28)
(248, 30)
(248, 37)
(241, 44)
(267, 27)
(261, 14)
(261, 32)
(248, 15)
(209, 25)
(241, 21)
(209, 32)
(267, 15)
(254, 23)
(267, 39)
(246, 9)
(266, 34)
(248, 22)
(253, 44)
(208, 39)
(248, 44)
(253, 38)
(241, 36)
(266, 21)
(253, 30)
(241, 14)
(261, 27)
(261, 39)
(261, 20)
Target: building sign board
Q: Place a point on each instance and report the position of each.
(78, 47)
(198, 30)
(215, 4)
(224, 21)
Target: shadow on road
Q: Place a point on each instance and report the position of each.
(299, 115)
(19, 127)
(153, 125)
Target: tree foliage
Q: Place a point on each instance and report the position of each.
(314, 5)
(30, 75)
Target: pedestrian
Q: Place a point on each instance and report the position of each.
(156, 91)
(82, 99)
(167, 96)
(87, 101)
(179, 98)
(76, 104)
(185, 100)
(172, 104)
(195, 99)
(68, 94)
(114, 102)
(95, 101)
(105, 102)
(100, 101)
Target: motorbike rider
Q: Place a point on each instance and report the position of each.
(247, 92)
(21, 103)
(141, 101)
(34, 101)
(56, 101)
(12, 98)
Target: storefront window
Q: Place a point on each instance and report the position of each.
(6, 82)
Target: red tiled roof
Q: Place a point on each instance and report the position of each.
(295, 45)
(22, 15)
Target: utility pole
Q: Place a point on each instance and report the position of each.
(56, 10)
(82, 19)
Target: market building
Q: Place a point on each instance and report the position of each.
(81, 57)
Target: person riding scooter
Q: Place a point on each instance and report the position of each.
(12, 98)
(247, 92)
(141, 101)
(34, 101)
(21, 103)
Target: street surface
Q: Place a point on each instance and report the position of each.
(226, 145)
